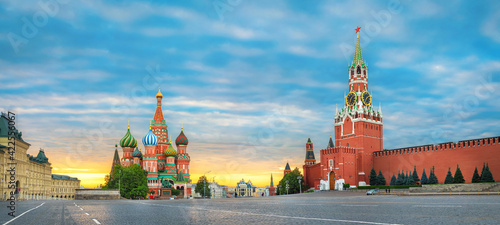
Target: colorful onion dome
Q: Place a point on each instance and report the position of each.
(137, 153)
(170, 151)
(150, 138)
(181, 139)
(159, 95)
(128, 141)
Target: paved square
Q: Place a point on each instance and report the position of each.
(311, 208)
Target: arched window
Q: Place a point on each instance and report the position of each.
(352, 72)
(364, 72)
(358, 70)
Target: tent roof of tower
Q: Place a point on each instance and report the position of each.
(330, 143)
(310, 156)
(116, 157)
(287, 167)
(309, 140)
(358, 57)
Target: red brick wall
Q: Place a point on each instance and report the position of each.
(467, 154)
(311, 174)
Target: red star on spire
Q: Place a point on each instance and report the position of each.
(357, 29)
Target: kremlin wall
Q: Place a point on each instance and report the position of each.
(358, 147)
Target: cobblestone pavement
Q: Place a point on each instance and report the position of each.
(311, 208)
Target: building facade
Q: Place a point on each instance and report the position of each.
(160, 160)
(358, 144)
(33, 174)
(244, 189)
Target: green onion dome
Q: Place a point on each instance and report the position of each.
(170, 151)
(150, 138)
(128, 141)
(137, 153)
(181, 139)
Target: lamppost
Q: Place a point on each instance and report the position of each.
(204, 183)
(279, 189)
(300, 184)
(204, 186)
(119, 181)
(287, 186)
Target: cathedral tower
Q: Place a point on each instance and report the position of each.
(128, 143)
(159, 128)
(183, 158)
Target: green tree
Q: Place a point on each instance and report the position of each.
(475, 177)
(424, 179)
(432, 177)
(373, 177)
(131, 181)
(459, 177)
(486, 175)
(380, 180)
(202, 187)
(393, 180)
(449, 177)
(399, 180)
(176, 192)
(415, 175)
(409, 180)
(405, 178)
(293, 183)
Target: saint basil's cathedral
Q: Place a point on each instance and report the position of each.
(160, 160)
(358, 145)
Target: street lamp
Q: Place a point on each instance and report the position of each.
(204, 183)
(119, 181)
(204, 186)
(300, 186)
(287, 186)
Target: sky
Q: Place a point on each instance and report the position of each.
(249, 81)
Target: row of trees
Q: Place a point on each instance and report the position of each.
(411, 178)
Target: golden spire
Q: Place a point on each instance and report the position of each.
(159, 95)
(128, 123)
(182, 126)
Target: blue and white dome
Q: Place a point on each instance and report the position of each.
(150, 138)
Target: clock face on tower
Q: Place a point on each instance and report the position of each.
(366, 98)
(350, 99)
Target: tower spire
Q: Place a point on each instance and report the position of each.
(358, 57)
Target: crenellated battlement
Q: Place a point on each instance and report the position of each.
(440, 147)
(337, 150)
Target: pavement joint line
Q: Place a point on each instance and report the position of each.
(22, 214)
(96, 221)
(358, 205)
(439, 206)
(279, 216)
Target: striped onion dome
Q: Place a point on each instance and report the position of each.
(136, 153)
(170, 151)
(181, 139)
(128, 141)
(150, 138)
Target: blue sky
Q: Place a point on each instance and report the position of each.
(249, 80)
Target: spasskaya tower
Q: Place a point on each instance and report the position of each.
(358, 125)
